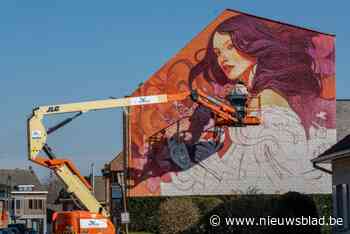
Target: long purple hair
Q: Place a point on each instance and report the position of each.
(283, 63)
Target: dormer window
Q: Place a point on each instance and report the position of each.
(24, 188)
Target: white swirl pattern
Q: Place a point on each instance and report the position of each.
(271, 158)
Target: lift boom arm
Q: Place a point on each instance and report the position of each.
(37, 133)
(66, 171)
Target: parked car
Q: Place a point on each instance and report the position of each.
(31, 231)
(7, 231)
(14, 230)
(18, 227)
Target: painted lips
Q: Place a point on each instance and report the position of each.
(227, 68)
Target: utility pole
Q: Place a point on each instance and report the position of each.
(92, 178)
(125, 219)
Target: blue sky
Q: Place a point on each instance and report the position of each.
(69, 51)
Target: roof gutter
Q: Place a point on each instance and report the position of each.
(328, 159)
(321, 168)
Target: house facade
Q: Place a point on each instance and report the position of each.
(336, 161)
(113, 174)
(211, 159)
(24, 198)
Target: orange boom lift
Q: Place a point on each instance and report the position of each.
(95, 218)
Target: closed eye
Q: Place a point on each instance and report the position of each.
(230, 46)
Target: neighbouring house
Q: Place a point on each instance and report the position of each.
(336, 161)
(24, 197)
(338, 156)
(113, 173)
(343, 120)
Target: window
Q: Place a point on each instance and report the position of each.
(40, 204)
(25, 187)
(35, 204)
(18, 204)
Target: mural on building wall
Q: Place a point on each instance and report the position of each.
(178, 150)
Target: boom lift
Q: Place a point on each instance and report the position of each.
(225, 114)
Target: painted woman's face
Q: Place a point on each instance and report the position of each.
(232, 63)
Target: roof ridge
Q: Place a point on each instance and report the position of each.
(280, 22)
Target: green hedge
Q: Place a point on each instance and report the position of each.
(324, 206)
(145, 212)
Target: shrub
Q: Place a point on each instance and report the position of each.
(250, 206)
(177, 215)
(207, 203)
(144, 214)
(324, 207)
(296, 205)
